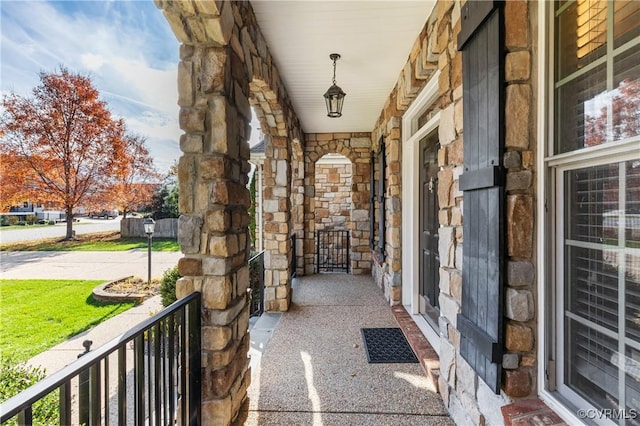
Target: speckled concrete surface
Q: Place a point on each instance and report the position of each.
(314, 370)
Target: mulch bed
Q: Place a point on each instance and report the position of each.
(134, 285)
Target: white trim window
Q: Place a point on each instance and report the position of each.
(595, 164)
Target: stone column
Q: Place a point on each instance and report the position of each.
(213, 226)
(277, 228)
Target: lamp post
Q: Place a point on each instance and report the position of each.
(149, 227)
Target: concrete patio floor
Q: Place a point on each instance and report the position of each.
(309, 366)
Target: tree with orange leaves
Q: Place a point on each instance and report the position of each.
(63, 135)
(136, 177)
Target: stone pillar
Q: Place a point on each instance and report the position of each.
(393, 213)
(213, 226)
(297, 203)
(277, 224)
(519, 159)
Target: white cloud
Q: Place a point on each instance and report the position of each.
(91, 61)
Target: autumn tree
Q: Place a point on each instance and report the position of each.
(66, 136)
(15, 180)
(136, 178)
(619, 116)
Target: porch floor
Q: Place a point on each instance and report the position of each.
(309, 366)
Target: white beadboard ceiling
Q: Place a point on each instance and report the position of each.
(374, 39)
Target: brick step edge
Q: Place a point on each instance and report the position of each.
(427, 356)
(530, 412)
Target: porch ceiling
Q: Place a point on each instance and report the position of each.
(373, 37)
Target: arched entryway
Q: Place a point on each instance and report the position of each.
(332, 214)
(354, 148)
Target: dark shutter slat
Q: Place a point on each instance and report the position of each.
(473, 14)
(481, 319)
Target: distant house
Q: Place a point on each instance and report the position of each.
(28, 208)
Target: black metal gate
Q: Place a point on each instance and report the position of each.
(332, 251)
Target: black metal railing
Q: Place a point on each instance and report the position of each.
(332, 251)
(148, 376)
(294, 259)
(256, 278)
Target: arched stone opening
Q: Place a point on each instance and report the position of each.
(225, 67)
(355, 147)
(332, 214)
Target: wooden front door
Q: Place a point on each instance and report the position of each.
(429, 257)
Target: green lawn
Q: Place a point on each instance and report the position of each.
(18, 227)
(35, 315)
(105, 241)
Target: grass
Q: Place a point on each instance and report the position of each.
(35, 315)
(101, 241)
(15, 227)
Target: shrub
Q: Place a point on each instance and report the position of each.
(13, 220)
(16, 377)
(168, 286)
(31, 219)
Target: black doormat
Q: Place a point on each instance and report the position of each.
(387, 345)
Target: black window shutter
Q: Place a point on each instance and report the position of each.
(372, 200)
(382, 159)
(480, 322)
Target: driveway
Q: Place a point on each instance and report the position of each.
(84, 265)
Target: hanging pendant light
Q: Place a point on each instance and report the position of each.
(334, 97)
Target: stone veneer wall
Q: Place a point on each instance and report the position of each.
(225, 68)
(333, 197)
(520, 363)
(420, 66)
(356, 147)
(468, 398)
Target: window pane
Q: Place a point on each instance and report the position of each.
(592, 205)
(581, 35)
(602, 259)
(625, 98)
(632, 368)
(593, 294)
(632, 297)
(591, 365)
(579, 113)
(625, 22)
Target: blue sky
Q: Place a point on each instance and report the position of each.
(125, 46)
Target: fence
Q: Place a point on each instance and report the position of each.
(133, 227)
(149, 375)
(332, 251)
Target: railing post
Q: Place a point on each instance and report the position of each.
(84, 388)
(194, 347)
(261, 283)
(294, 259)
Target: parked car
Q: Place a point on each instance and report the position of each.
(104, 214)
